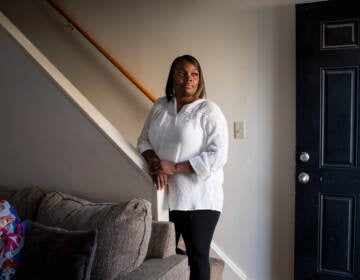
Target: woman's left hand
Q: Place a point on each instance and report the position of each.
(166, 168)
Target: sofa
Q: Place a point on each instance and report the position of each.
(72, 238)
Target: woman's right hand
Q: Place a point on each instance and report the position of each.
(154, 164)
(152, 160)
(160, 181)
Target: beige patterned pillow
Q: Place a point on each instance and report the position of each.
(123, 229)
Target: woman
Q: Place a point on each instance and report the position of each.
(185, 141)
(12, 233)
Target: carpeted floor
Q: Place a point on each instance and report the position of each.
(216, 265)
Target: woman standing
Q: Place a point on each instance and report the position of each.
(185, 142)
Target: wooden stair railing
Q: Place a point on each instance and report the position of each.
(103, 51)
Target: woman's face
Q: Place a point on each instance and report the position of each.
(186, 79)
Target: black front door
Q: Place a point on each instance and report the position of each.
(327, 222)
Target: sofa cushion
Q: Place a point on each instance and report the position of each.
(5, 195)
(25, 201)
(162, 240)
(123, 229)
(54, 253)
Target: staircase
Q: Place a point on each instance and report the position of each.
(216, 265)
(216, 268)
(53, 135)
(76, 126)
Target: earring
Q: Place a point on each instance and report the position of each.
(173, 92)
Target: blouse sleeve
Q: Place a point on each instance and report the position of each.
(214, 155)
(143, 143)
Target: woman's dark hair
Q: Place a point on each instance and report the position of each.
(200, 93)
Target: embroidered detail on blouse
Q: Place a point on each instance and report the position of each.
(199, 134)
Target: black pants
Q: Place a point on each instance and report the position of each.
(197, 229)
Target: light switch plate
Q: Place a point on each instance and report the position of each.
(239, 130)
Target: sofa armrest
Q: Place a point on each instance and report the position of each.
(162, 240)
(173, 267)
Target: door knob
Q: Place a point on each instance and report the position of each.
(303, 178)
(304, 157)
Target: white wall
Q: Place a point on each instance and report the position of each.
(48, 141)
(247, 51)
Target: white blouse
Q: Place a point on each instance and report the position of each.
(199, 134)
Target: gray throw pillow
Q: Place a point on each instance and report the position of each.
(57, 254)
(25, 201)
(123, 229)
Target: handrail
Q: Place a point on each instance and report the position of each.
(103, 51)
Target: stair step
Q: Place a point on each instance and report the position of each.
(216, 268)
(216, 265)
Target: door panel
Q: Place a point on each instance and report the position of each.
(336, 227)
(338, 116)
(327, 223)
(339, 34)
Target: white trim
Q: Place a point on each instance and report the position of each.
(162, 205)
(90, 112)
(76, 96)
(229, 262)
(74, 93)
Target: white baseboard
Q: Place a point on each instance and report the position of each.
(229, 262)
